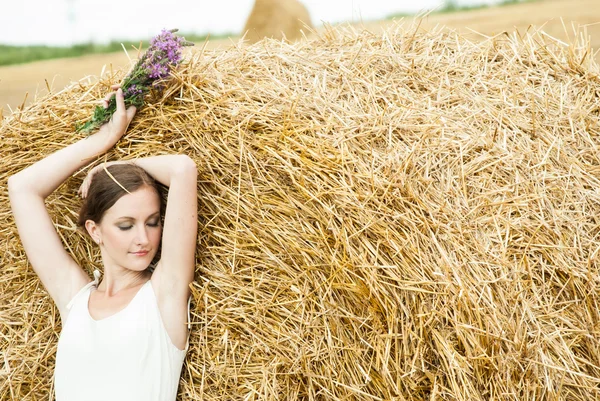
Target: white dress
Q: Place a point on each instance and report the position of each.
(126, 356)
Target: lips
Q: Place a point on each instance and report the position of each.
(141, 253)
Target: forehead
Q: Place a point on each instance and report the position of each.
(138, 204)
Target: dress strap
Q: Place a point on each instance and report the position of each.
(96, 277)
(85, 288)
(187, 342)
(189, 320)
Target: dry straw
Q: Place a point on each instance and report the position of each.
(278, 19)
(401, 216)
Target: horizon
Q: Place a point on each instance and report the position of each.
(72, 22)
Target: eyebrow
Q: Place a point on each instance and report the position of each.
(156, 214)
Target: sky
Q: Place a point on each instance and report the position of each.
(66, 22)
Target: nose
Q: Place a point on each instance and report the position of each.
(142, 236)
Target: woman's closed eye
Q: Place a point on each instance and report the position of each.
(125, 228)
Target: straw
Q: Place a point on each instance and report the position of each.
(279, 19)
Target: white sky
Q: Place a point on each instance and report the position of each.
(64, 22)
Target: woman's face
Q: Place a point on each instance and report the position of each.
(130, 230)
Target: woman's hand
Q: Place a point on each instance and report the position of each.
(120, 119)
(85, 185)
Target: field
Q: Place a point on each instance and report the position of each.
(558, 18)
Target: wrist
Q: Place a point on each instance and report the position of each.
(103, 139)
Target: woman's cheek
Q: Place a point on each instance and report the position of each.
(157, 235)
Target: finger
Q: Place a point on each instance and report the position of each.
(85, 186)
(106, 101)
(131, 113)
(120, 101)
(109, 96)
(115, 86)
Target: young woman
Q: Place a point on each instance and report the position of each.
(124, 337)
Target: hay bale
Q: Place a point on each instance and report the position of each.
(406, 216)
(277, 19)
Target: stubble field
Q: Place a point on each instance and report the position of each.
(561, 19)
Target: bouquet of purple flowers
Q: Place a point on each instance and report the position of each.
(163, 54)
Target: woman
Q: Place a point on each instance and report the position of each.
(123, 338)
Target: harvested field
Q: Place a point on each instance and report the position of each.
(545, 15)
(21, 84)
(16, 81)
(398, 216)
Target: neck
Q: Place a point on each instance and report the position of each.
(116, 279)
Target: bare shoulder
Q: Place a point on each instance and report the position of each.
(172, 298)
(74, 279)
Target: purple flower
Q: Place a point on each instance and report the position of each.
(174, 56)
(133, 90)
(169, 44)
(163, 54)
(157, 71)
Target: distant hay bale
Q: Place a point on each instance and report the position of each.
(277, 19)
(404, 216)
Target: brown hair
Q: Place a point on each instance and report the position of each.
(104, 192)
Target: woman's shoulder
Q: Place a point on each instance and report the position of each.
(75, 286)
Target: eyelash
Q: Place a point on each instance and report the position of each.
(129, 227)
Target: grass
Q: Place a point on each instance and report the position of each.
(451, 6)
(24, 54)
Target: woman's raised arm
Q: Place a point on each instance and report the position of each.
(175, 270)
(28, 189)
(178, 256)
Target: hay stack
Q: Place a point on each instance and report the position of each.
(407, 216)
(277, 19)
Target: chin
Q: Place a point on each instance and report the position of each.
(141, 264)
(141, 268)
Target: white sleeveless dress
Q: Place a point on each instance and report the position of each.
(126, 356)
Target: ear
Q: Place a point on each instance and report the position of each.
(93, 230)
